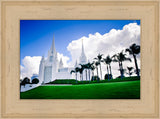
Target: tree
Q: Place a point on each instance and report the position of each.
(120, 58)
(89, 67)
(92, 68)
(130, 70)
(95, 78)
(81, 73)
(72, 71)
(25, 81)
(108, 61)
(99, 59)
(108, 77)
(96, 64)
(75, 71)
(134, 50)
(83, 66)
(35, 81)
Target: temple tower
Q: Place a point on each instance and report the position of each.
(82, 59)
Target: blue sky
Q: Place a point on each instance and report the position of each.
(36, 35)
(107, 37)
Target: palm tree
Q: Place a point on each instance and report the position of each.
(129, 70)
(134, 50)
(83, 66)
(76, 70)
(88, 66)
(73, 71)
(108, 61)
(92, 68)
(99, 59)
(120, 57)
(81, 73)
(96, 64)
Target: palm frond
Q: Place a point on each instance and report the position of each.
(128, 50)
(72, 71)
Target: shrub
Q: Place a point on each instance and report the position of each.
(35, 81)
(95, 78)
(106, 76)
(63, 81)
(25, 81)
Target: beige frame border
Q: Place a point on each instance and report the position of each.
(5, 3)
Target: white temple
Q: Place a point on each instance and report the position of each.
(51, 68)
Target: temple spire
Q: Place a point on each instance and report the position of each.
(53, 50)
(42, 59)
(76, 64)
(61, 63)
(83, 58)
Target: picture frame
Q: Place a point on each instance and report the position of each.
(13, 11)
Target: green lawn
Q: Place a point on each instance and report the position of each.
(115, 90)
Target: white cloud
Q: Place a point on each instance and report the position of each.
(64, 59)
(30, 66)
(109, 43)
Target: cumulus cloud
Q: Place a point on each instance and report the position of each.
(30, 65)
(64, 59)
(109, 43)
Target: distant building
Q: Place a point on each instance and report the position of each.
(51, 68)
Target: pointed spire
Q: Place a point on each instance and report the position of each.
(61, 63)
(76, 64)
(53, 50)
(56, 56)
(83, 58)
(42, 59)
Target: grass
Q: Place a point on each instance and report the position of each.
(63, 81)
(133, 78)
(112, 90)
(73, 81)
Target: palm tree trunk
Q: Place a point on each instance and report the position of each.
(119, 67)
(92, 74)
(76, 77)
(122, 70)
(89, 74)
(136, 65)
(81, 77)
(97, 72)
(129, 73)
(86, 74)
(110, 70)
(100, 71)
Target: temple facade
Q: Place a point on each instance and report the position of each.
(51, 68)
